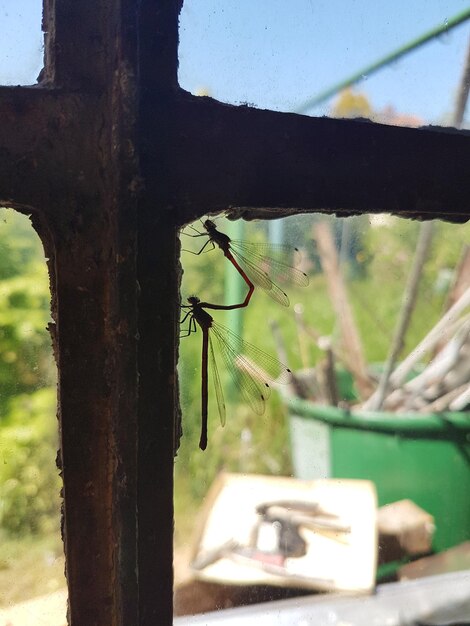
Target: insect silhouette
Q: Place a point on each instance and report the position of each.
(250, 368)
(260, 264)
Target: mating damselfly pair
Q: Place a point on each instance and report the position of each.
(251, 369)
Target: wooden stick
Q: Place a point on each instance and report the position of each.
(328, 375)
(408, 304)
(462, 400)
(462, 278)
(446, 401)
(442, 363)
(323, 342)
(298, 317)
(430, 340)
(459, 284)
(338, 295)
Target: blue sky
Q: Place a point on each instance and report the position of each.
(277, 53)
(21, 43)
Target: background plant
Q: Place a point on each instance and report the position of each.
(376, 265)
(29, 480)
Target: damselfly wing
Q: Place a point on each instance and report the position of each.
(250, 368)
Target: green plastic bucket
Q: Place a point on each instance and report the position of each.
(425, 458)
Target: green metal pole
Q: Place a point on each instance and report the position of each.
(389, 58)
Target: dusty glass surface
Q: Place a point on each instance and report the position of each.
(412, 445)
(32, 583)
(21, 43)
(284, 56)
(370, 400)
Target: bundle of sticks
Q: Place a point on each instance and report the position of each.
(441, 385)
(444, 384)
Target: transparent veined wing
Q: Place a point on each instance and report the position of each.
(250, 369)
(269, 264)
(219, 394)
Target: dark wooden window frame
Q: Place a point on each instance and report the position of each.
(110, 157)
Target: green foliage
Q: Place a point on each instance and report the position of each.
(25, 354)
(20, 248)
(29, 481)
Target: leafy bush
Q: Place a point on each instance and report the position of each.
(25, 353)
(29, 480)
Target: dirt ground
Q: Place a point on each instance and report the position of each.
(50, 609)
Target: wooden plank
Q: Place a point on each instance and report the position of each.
(455, 559)
(271, 164)
(404, 529)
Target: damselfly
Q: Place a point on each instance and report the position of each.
(250, 368)
(261, 264)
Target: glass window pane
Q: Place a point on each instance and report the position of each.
(412, 448)
(282, 56)
(21, 43)
(32, 582)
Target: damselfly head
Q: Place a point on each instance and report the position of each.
(194, 300)
(209, 225)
